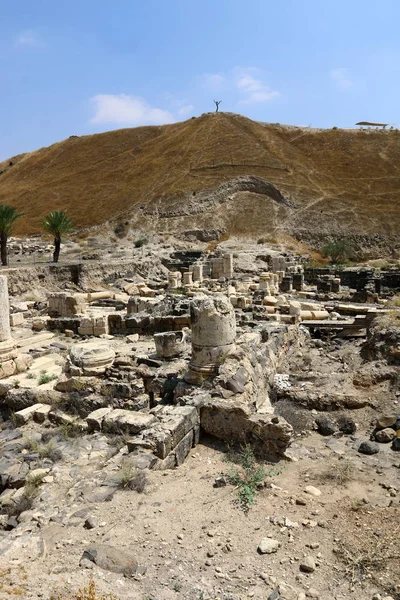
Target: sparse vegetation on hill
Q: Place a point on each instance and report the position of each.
(341, 182)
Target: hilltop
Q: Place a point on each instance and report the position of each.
(211, 171)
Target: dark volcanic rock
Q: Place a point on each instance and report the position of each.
(368, 447)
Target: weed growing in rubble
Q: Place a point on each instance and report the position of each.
(71, 430)
(131, 478)
(340, 472)
(47, 450)
(88, 592)
(45, 378)
(248, 476)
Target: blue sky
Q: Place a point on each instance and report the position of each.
(74, 67)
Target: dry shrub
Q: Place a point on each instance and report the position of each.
(131, 478)
(88, 592)
(339, 472)
(368, 547)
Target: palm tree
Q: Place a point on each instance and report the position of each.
(57, 223)
(8, 214)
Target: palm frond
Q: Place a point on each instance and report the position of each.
(8, 214)
(57, 223)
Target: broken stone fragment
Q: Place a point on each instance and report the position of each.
(268, 546)
(111, 559)
(92, 357)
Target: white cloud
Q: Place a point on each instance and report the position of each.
(28, 38)
(185, 110)
(179, 106)
(127, 110)
(341, 77)
(213, 80)
(250, 83)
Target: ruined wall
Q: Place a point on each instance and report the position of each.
(53, 277)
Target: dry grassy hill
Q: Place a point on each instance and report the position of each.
(334, 182)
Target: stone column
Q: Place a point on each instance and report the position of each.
(188, 278)
(286, 284)
(8, 351)
(217, 268)
(213, 335)
(264, 282)
(228, 265)
(174, 280)
(198, 273)
(5, 329)
(298, 281)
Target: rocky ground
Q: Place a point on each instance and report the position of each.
(324, 525)
(325, 521)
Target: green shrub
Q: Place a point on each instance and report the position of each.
(338, 251)
(248, 476)
(45, 378)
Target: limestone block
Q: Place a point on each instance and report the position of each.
(145, 291)
(295, 308)
(183, 448)
(162, 465)
(23, 362)
(100, 331)
(63, 304)
(7, 368)
(26, 414)
(170, 344)
(41, 413)
(177, 426)
(270, 300)
(160, 440)
(131, 289)
(95, 419)
(126, 420)
(310, 306)
(16, 319)
(85, 330)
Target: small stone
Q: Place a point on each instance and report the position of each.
(346, 425)
(90, 523)
(307, 565)
(384, 436)
(276, 594)
(268, 546)
(368, 448)
(384, 421)
(396, 444)
(325, 425)
(300, 502)
(313, 491)
(311, 593)
(220, 482)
